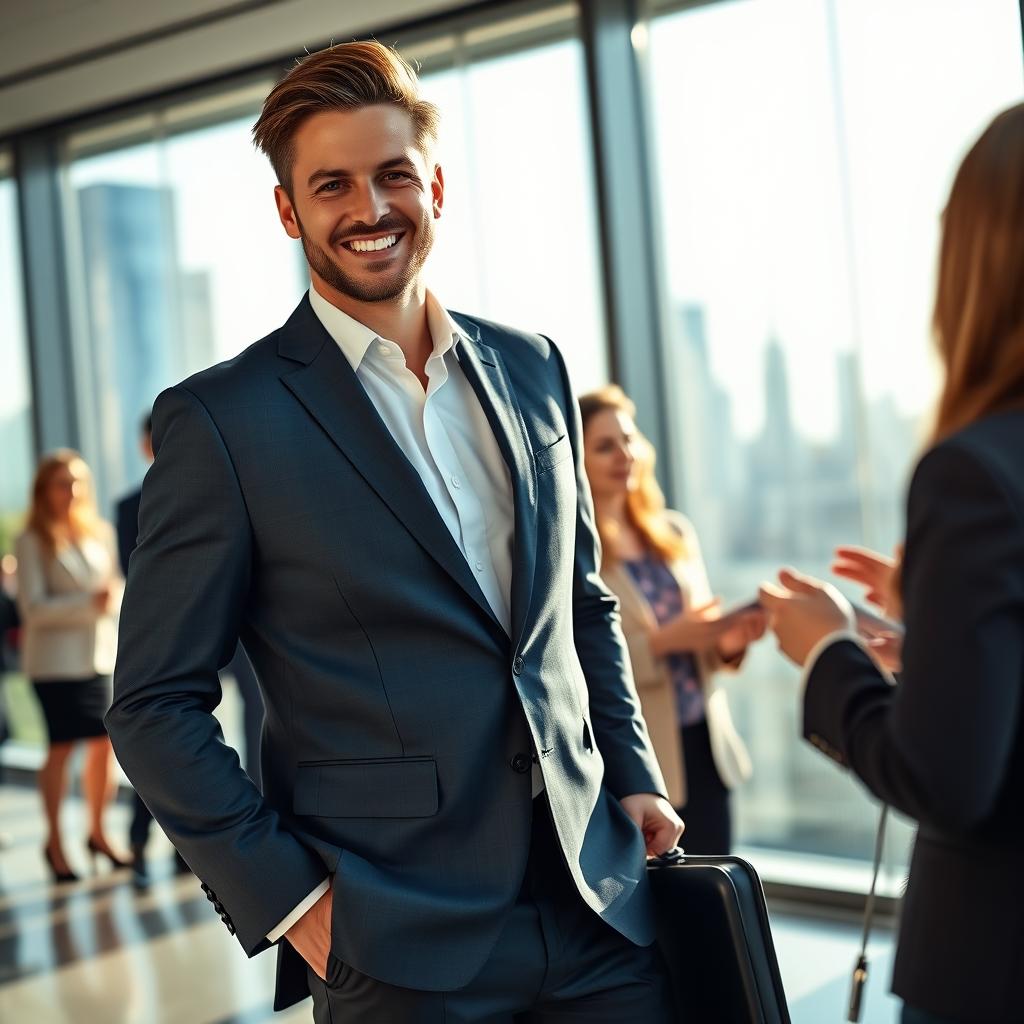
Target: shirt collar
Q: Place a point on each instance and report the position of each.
(354, 338)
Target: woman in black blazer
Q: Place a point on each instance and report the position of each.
(946, 744)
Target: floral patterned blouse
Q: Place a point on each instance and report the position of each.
(659, 587)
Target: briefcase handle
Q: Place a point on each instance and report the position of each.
(665, 860)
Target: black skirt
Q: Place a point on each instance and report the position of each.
(74, 708)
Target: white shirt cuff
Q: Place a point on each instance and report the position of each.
(821, 646)
(299, 910)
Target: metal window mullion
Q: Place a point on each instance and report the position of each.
(635, 302)
(47, 315)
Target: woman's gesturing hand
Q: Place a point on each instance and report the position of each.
(803, 611)
(693, 631)
(746, 628)
(872, 570)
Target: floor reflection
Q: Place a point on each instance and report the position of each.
(100, 952)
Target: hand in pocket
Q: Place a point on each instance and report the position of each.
(311, 934)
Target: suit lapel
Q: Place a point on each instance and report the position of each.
(486, 374)
(71, 561)
(329, 390)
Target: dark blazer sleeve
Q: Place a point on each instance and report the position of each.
(938, 745)
(619, 730)
(187, 588)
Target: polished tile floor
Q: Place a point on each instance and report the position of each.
(98, 952)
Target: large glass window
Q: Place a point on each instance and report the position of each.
(802, 162)
(178, 258)
(16, 443)
(518, 241)
(16, 446)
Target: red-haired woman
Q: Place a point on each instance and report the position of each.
(946, 744)
(677, 640)
(69, 592)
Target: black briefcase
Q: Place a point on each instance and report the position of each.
(714, 934)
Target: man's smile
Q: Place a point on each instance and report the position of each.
(370, 245)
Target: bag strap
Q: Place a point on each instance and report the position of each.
(860, 970)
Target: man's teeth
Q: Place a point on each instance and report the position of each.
(373, 245)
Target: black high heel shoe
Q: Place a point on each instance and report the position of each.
(58, 876)
(95, 849)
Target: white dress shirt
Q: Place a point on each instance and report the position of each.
(445, 434)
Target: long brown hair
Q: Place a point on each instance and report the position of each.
(84, 517)
(979, 301)
(645, 504)
(979, 297)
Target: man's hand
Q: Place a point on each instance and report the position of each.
(653, 815)
(804, 611)
(311, 934)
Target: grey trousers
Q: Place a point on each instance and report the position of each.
(555, 962)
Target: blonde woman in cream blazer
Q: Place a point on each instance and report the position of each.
(69, 594)
(677, 641)
(67, 635)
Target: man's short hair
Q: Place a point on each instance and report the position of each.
(342, 77)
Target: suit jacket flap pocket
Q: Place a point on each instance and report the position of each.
(392, 788)
(549, 457)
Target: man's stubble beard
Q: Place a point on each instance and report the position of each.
(323, 264)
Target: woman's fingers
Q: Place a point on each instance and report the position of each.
(707, 612)
(863, 556)
(797, 581)
(854, 571)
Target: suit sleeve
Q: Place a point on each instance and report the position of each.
(619, 730)
(186, 593)
(36, 605)
(938, 745)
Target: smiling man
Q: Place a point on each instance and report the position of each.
(386, 502)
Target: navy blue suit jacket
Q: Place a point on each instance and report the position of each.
(401, 717)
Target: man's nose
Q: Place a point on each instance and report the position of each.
(370, 205)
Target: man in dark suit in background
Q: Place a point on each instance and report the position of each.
(387, 502)
(126, 516)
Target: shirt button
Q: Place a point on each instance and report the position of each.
(479, 566)
(517, 665)
(520, 763)
(456, 482)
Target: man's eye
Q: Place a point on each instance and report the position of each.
(329, 186)
(395, 176)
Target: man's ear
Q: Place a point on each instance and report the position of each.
(286, 211)
(437, 190)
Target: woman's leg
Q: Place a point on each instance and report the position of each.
(97, 785)
(52, 785)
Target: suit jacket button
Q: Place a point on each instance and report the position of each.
(520, 763)
(517, 665)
